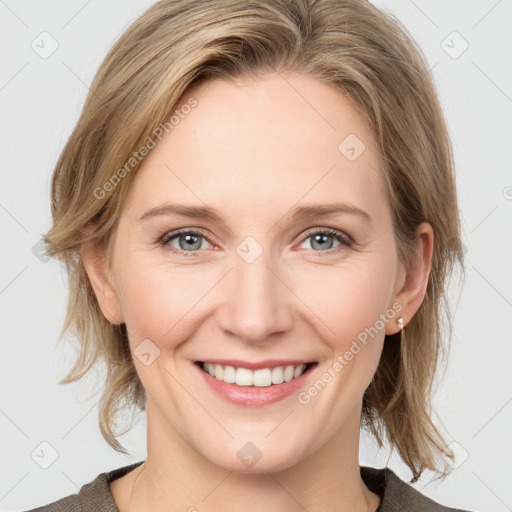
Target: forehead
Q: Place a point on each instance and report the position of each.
(260, 142)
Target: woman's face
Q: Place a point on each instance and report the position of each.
(265, 278)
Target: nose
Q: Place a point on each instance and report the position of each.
(257, 302)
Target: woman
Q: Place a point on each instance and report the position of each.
(257, 210)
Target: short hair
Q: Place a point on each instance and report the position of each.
(362, 51)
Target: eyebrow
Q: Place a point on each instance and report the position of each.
(209, 213)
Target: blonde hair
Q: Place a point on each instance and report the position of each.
(365, 53)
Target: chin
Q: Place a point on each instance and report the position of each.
(255, 458)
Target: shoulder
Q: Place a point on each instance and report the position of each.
(397, 495)
(92, 496)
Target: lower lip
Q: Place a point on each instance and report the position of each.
(253, 395)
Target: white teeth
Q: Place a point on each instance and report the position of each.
(261, 378)
(229, 374)
(219, 370)
(243, 377)
(277, 375)
(288, 373)
(298, 370)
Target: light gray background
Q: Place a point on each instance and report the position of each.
(40, 101)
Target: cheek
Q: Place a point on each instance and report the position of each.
(346, 299)
(162, 305)
(347, 303)
(350, 303)
(156, 301)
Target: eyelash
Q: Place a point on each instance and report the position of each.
(344, 239)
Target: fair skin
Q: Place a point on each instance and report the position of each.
(256, 150)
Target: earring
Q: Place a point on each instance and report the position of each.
(400, 322)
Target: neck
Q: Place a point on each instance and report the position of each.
(175, 477)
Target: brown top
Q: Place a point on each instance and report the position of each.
(396, 495)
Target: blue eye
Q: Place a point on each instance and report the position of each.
(190, 241)
(320, 239)
(187, 239)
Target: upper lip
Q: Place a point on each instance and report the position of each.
(268, 363)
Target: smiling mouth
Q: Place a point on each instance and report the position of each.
(262, 377)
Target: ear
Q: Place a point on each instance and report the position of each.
(415, 280)
(95, 264)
